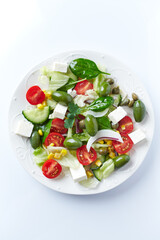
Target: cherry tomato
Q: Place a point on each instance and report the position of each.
(124, 147)
(125, 125)
(58, 126)
(56, 138)
(83, 86)
(51, 168)
(35, 95)
(85, 157)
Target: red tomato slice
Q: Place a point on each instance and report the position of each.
(125, 125)
(51, 169)
(35, 95)
(85, 157)
(124, 147)
(58, 126)
(56, 138)
(83, 86)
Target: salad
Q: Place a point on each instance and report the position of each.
(77, 122)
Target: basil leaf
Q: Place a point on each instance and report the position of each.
(103, 123)
(85, 68)
(46, 131)
(101, 103)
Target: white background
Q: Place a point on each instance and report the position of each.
(31, 31)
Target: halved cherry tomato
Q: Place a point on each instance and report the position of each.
(124, 147)
(85, 157)
(125, 125)
(56, 138)
(58, 126)
(83, 86)
(35, 95)
(51, 168)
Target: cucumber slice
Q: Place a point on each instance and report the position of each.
(94, 166)
(105, 170)
(35, 115)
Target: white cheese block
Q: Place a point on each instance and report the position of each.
(23, 128)
(60, 67)
(59, 112)
(116, 115)
(137, 136)
(78, 174)
(71, 92)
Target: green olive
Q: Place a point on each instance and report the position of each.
(105, 89)
(35, 140)
(103, 151)
(139, 110)
(121, 160)
(62, 97)
(72, 143)
(82, 124)
(91, 125)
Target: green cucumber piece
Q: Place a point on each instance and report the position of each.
(94, 166)
(105, 170)
(35, 115)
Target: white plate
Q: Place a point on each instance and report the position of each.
(127, 81)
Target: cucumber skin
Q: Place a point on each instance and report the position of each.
(35, 122)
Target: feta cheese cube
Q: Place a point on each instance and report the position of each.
(78, 174)
(137, 136)
(59, 112)
(60, 67)
(71, 92)
(23, 128)
(116, 115)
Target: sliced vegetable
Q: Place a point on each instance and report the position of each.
(35, 115)
(85, 157)
(58, 126)
(51, 168)
(125, 125)
(107, 133)
(35, 95)
(125, 146)
(84, 136)
(83, 86)
(105, 170)
(89, 182)
(55, 138)
(96, 114)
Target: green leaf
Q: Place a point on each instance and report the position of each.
(101, 104)
(103, 123)
(68, 123)
(40, 156)
(73, 108)
(84, 136)
(46, 130)
(85, 68)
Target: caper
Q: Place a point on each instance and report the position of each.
(91, 125)
(72, 143)
(62, 97)
(114, 126)
(103, 150)
(82, 124)
(110, 81)
(130, 104)
(115, 90)
(139, 110)
(134, 96)
(35, 140)
(105, 89)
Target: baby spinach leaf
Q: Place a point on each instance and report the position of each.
(85, 68)
(101, 103)
(103, 123)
